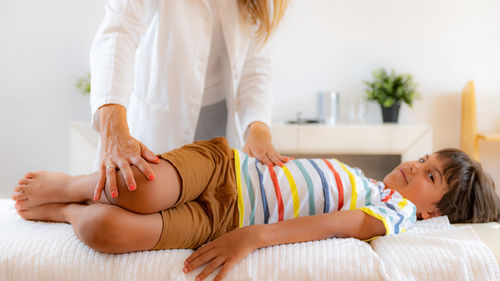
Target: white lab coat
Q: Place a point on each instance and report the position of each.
(151, 56)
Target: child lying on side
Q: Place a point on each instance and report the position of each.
(207, 192)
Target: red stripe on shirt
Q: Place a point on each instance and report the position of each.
(388, 196)
(340, 186)
(281, 209)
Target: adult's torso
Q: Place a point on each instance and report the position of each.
(171, 70)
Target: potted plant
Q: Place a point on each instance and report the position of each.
(83, 84)
(389, 90)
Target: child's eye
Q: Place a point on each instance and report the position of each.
(431, 176)
(421, 160)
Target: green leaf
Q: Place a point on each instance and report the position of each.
(389, 87)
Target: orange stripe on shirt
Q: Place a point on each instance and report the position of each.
(388, 196)
(281, 209)
(340, 186)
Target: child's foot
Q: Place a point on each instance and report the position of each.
(37, 188)
(48, 212)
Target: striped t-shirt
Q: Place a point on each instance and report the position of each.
(304, 187)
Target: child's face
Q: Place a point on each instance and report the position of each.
(421, 182)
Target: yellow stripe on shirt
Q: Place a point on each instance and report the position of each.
(403, 203)
(241, 207)
(377, 216)
(295, 193)
(354, 195)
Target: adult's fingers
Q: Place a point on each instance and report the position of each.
(144, 167)
(275, 159)
(148, 154)
(111, 180)
(262, 157)
(285, 159)
(100, 184)
(127, 175)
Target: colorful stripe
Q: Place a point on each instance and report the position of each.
(279, 199)
(310, 189)
(241, 208)
(263, 194)
(368, 190)
(354, 192)
(293, 189)
(250, 190)
(326, 192)
(401, 218)
(402, 204)
(340, 186)
(377, 216)
(389, 196)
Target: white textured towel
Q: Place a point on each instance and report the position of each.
(435, 250)
(51, 251)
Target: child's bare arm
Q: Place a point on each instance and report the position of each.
(229, 249)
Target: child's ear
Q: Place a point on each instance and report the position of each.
(431, 214)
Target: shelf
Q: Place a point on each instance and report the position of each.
(409, 141)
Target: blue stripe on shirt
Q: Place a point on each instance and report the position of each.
(326, 193)
(263, 194)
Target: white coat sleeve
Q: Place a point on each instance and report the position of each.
(254, 95)
(113, 53)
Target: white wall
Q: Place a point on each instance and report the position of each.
(335, 44)
(322, 45)
(44, 48)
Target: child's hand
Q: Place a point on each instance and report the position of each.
(225, 251)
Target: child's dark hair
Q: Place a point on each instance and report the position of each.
(471, 196)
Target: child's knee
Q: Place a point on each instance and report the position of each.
(98, 228)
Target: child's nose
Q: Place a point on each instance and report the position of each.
(413, 167)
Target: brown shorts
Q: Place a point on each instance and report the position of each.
(207, 205)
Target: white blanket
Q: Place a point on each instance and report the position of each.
(51, 251)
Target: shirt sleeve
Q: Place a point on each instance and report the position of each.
(396, 213)
(254, 95)
(112, 54)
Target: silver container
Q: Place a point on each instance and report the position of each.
(328, 107)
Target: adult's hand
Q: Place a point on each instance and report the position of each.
(259, 145)
(119, 150)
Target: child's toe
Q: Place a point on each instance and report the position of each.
(21, 205)
(19, 196)
(20, 188)
(30, 175)
(25, 181)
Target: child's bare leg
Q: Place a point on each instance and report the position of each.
(40, 188)
(103, 227)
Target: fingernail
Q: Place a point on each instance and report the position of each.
(281, 164)
(185, 269)
(132, 187)
(95, 197)
(113, 194)
(151, 177)
(156, 157)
